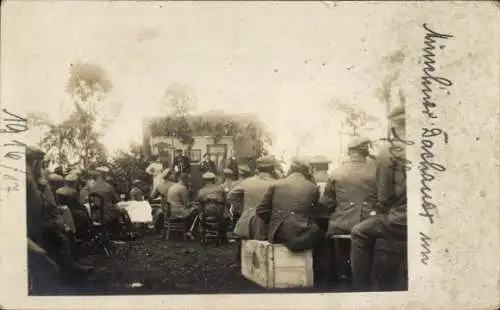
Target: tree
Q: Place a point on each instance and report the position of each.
(128, 166)
(58, 140)
(76, 139)
(88, 85)
(177, 102)
(355, 119)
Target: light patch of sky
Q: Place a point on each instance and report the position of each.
(281, 61)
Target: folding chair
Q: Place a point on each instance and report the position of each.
(100, 235)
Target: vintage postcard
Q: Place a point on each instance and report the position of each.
(250, 155)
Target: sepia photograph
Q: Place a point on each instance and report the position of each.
(180, 148)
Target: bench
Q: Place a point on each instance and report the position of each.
(274, 266)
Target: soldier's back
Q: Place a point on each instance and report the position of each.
(212, 192)
(254, 189)
(295, 193)
(355, 182)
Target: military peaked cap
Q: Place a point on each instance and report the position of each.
(208, 176)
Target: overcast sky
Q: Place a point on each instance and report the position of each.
(281, 61)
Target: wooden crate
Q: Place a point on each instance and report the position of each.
(274, 266)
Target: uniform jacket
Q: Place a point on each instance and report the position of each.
(107, 191)
(182, 164)
(208, 166)
(248, 194)
(355, 190)
(178, 198)
(288, 208)
(67, 196)
(391, 182)
(213, 198)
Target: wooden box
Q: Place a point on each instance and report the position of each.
(274, 266)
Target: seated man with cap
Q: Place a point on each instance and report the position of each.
(212, 199)
(45, 224)
(137, 193)
(68, 196)
(390, 222)
(56, 181)
(288, 208)
(351, 189)
(88, 181)
(247, 194)
(114, 216)
(178, 201)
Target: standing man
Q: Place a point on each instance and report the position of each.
(391, 222)
(288, 208)
(181, 163)
(154, 170)
(233, 166)
(207, 164)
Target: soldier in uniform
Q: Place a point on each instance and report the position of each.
(45, 224)
(181, 163)
(288, 208)
(248, 194)
(390, 220)
(69, 196)
(136, 193)
(212, 198)
(228, 181)
(178, 199)
(56, 181)
(114, 216)
(353, 187)
(88, 181)
(207, 164)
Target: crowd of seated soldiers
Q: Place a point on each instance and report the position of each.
(364, 198)
(60, 222)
